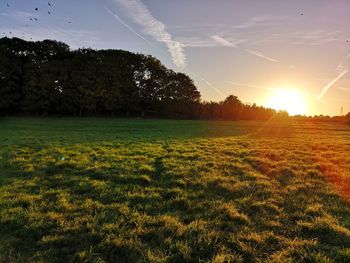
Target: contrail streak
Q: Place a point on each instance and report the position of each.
(330, 84)
(222, 41)
(212, 86)
(258, 54)
(126, 25)
(153, 27)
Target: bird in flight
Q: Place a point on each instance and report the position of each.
(49, 3)
(36, 9)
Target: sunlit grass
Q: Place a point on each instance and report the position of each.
(172, 191)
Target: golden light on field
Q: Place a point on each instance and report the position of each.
(292, 101)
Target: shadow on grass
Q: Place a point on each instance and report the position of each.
(64, 212)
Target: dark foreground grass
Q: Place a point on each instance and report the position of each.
(105, 190)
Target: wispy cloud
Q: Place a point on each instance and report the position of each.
(259, 21)
(195, 28)
(342, 66)
(324, 41)
(314, 38)
(224, 42)
(252, 86)
(155, 28)
(316, 34)
(206, 42)
(344, 89)
(194, 42)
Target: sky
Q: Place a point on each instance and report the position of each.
(253, 49)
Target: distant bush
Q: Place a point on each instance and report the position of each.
(233, 109)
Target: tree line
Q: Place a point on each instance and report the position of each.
(324, 118)
(48, 78)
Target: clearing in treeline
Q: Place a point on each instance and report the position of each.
(113, 190)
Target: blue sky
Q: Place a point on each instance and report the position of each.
(247, 48)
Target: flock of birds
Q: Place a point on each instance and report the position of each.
(69, 22)
(33, 19)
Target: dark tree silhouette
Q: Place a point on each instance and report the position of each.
(47, 78)
(232, 108)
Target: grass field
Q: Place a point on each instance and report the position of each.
(110, 190)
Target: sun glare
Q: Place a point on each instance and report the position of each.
(292, 101)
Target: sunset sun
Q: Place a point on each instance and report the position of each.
(290, 100)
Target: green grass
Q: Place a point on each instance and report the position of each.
(110, 190)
